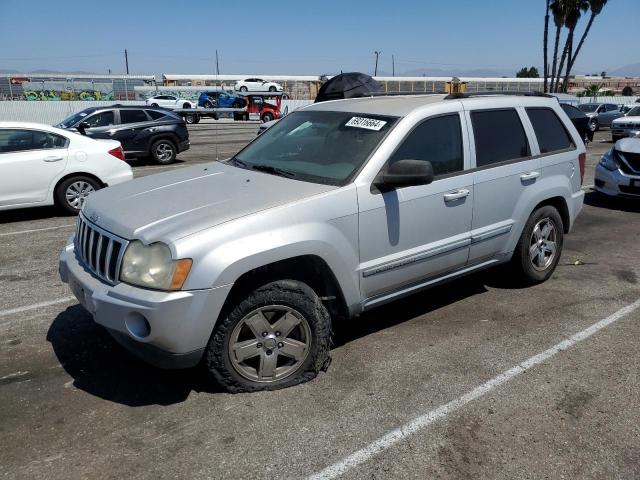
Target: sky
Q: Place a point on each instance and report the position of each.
(298, 37)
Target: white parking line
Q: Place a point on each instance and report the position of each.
(36, 230)
(26, 308)
(423, 421)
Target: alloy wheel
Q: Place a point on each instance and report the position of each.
(164, 151)
(77, 192)
(543, 244)
(270, 343)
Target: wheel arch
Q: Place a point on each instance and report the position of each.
(55, 184)
(560, 204)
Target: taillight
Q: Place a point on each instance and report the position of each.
(582, 159)
(117, 152)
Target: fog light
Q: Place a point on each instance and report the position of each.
(137, 325)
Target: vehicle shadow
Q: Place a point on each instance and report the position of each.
(99, 366)
(600, 200)
(35, 213)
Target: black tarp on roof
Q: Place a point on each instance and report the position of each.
(348, 85)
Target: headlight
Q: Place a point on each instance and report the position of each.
(151, 266)
(609, 161)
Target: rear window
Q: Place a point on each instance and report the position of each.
(154, 114)
(499, 136)
(550, 131)
(133, 116)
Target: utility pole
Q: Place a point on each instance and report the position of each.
(393, 66)
(126, 60)
(376, 69)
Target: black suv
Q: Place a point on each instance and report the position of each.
(142, 131)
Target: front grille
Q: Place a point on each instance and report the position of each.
(100, 251)
(630, 162)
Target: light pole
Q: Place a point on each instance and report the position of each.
(375, 72)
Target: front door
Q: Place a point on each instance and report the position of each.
(100, 125)
(29, 161)
(413, 233)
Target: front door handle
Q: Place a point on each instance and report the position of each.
(52, 159)
(529, 176)
(457, 195)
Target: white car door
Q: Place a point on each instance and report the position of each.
(29, 160)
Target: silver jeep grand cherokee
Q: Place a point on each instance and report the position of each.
(340, 207)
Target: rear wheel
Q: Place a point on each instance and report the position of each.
(70, 194)
(540, 246)
(593, 125)
(163, 151)
(278, 336)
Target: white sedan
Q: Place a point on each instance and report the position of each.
(169, 101)
(257, 85)
(44, 165)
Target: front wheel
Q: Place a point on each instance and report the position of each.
(208, 104)
(163, 151)
(71, 194)
(593, 125)
(267, 117)
(243, 88)
(540, 246)
(272, 89)
(277, 336)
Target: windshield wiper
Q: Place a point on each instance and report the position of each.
(237, 162)
(273, 170)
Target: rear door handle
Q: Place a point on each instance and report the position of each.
(529, 176)
(457, 195)
(52, 159)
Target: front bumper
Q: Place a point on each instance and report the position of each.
(178, 324)
(617, 133)
(616, 183)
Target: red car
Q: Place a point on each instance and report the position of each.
(264, 106)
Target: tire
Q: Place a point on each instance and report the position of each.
(70, 194)
(191, 119)
(593, 125)
(154, 104)
(236, 105)
(186, 105)
(267, 117)
(243, 89)
(309, 336)
(539, 268)
(163, 151)
(208, 104)
(272, 89)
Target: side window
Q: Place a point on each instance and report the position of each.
(154, 114)
(499, 136)
(611, 107)
(438, 140)
(15, 140)
(550, 131)
(132, 116)
(102, 119)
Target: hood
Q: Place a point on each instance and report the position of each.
(634, 119)
(628, 145)
(172, 205)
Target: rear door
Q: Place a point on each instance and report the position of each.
(133, 130)
(504, 169)
(29, 161)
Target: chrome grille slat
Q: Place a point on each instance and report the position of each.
(99, 251)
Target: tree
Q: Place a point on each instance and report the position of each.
(572, 12)
(525, 72)
(545, 48)
(596, 7)
(558, 9)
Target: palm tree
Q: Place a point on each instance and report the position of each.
(558, 8)
(545, 53)
(573, 11)
(596, 7)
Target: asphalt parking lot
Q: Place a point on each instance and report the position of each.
(448, 383)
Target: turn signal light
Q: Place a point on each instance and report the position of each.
(180, 273)
(117, 152)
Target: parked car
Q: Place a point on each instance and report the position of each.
(257, 85)
(600, 114)
(338, 208)
(627, 126)
(43, 165)
(618, 172)
(580, 120)
(169, 101)
(220, 99)
(142, 131)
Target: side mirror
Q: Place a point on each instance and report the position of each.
(405, 173)
(82, 126)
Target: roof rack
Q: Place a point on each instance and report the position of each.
(459, 95)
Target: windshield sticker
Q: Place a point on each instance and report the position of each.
(368, 123)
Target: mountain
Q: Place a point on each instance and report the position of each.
(458, 72)
(631, 70)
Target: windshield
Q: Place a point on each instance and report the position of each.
(319, 147)
(73, 119)
(588, 107)
(634, 112)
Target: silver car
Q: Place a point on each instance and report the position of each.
(600, 114)
(618, 173)
(340, 207)
(626, 126)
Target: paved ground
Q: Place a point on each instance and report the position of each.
(74, 405)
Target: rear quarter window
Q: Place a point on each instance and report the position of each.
(550, 131)
(154, 114)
